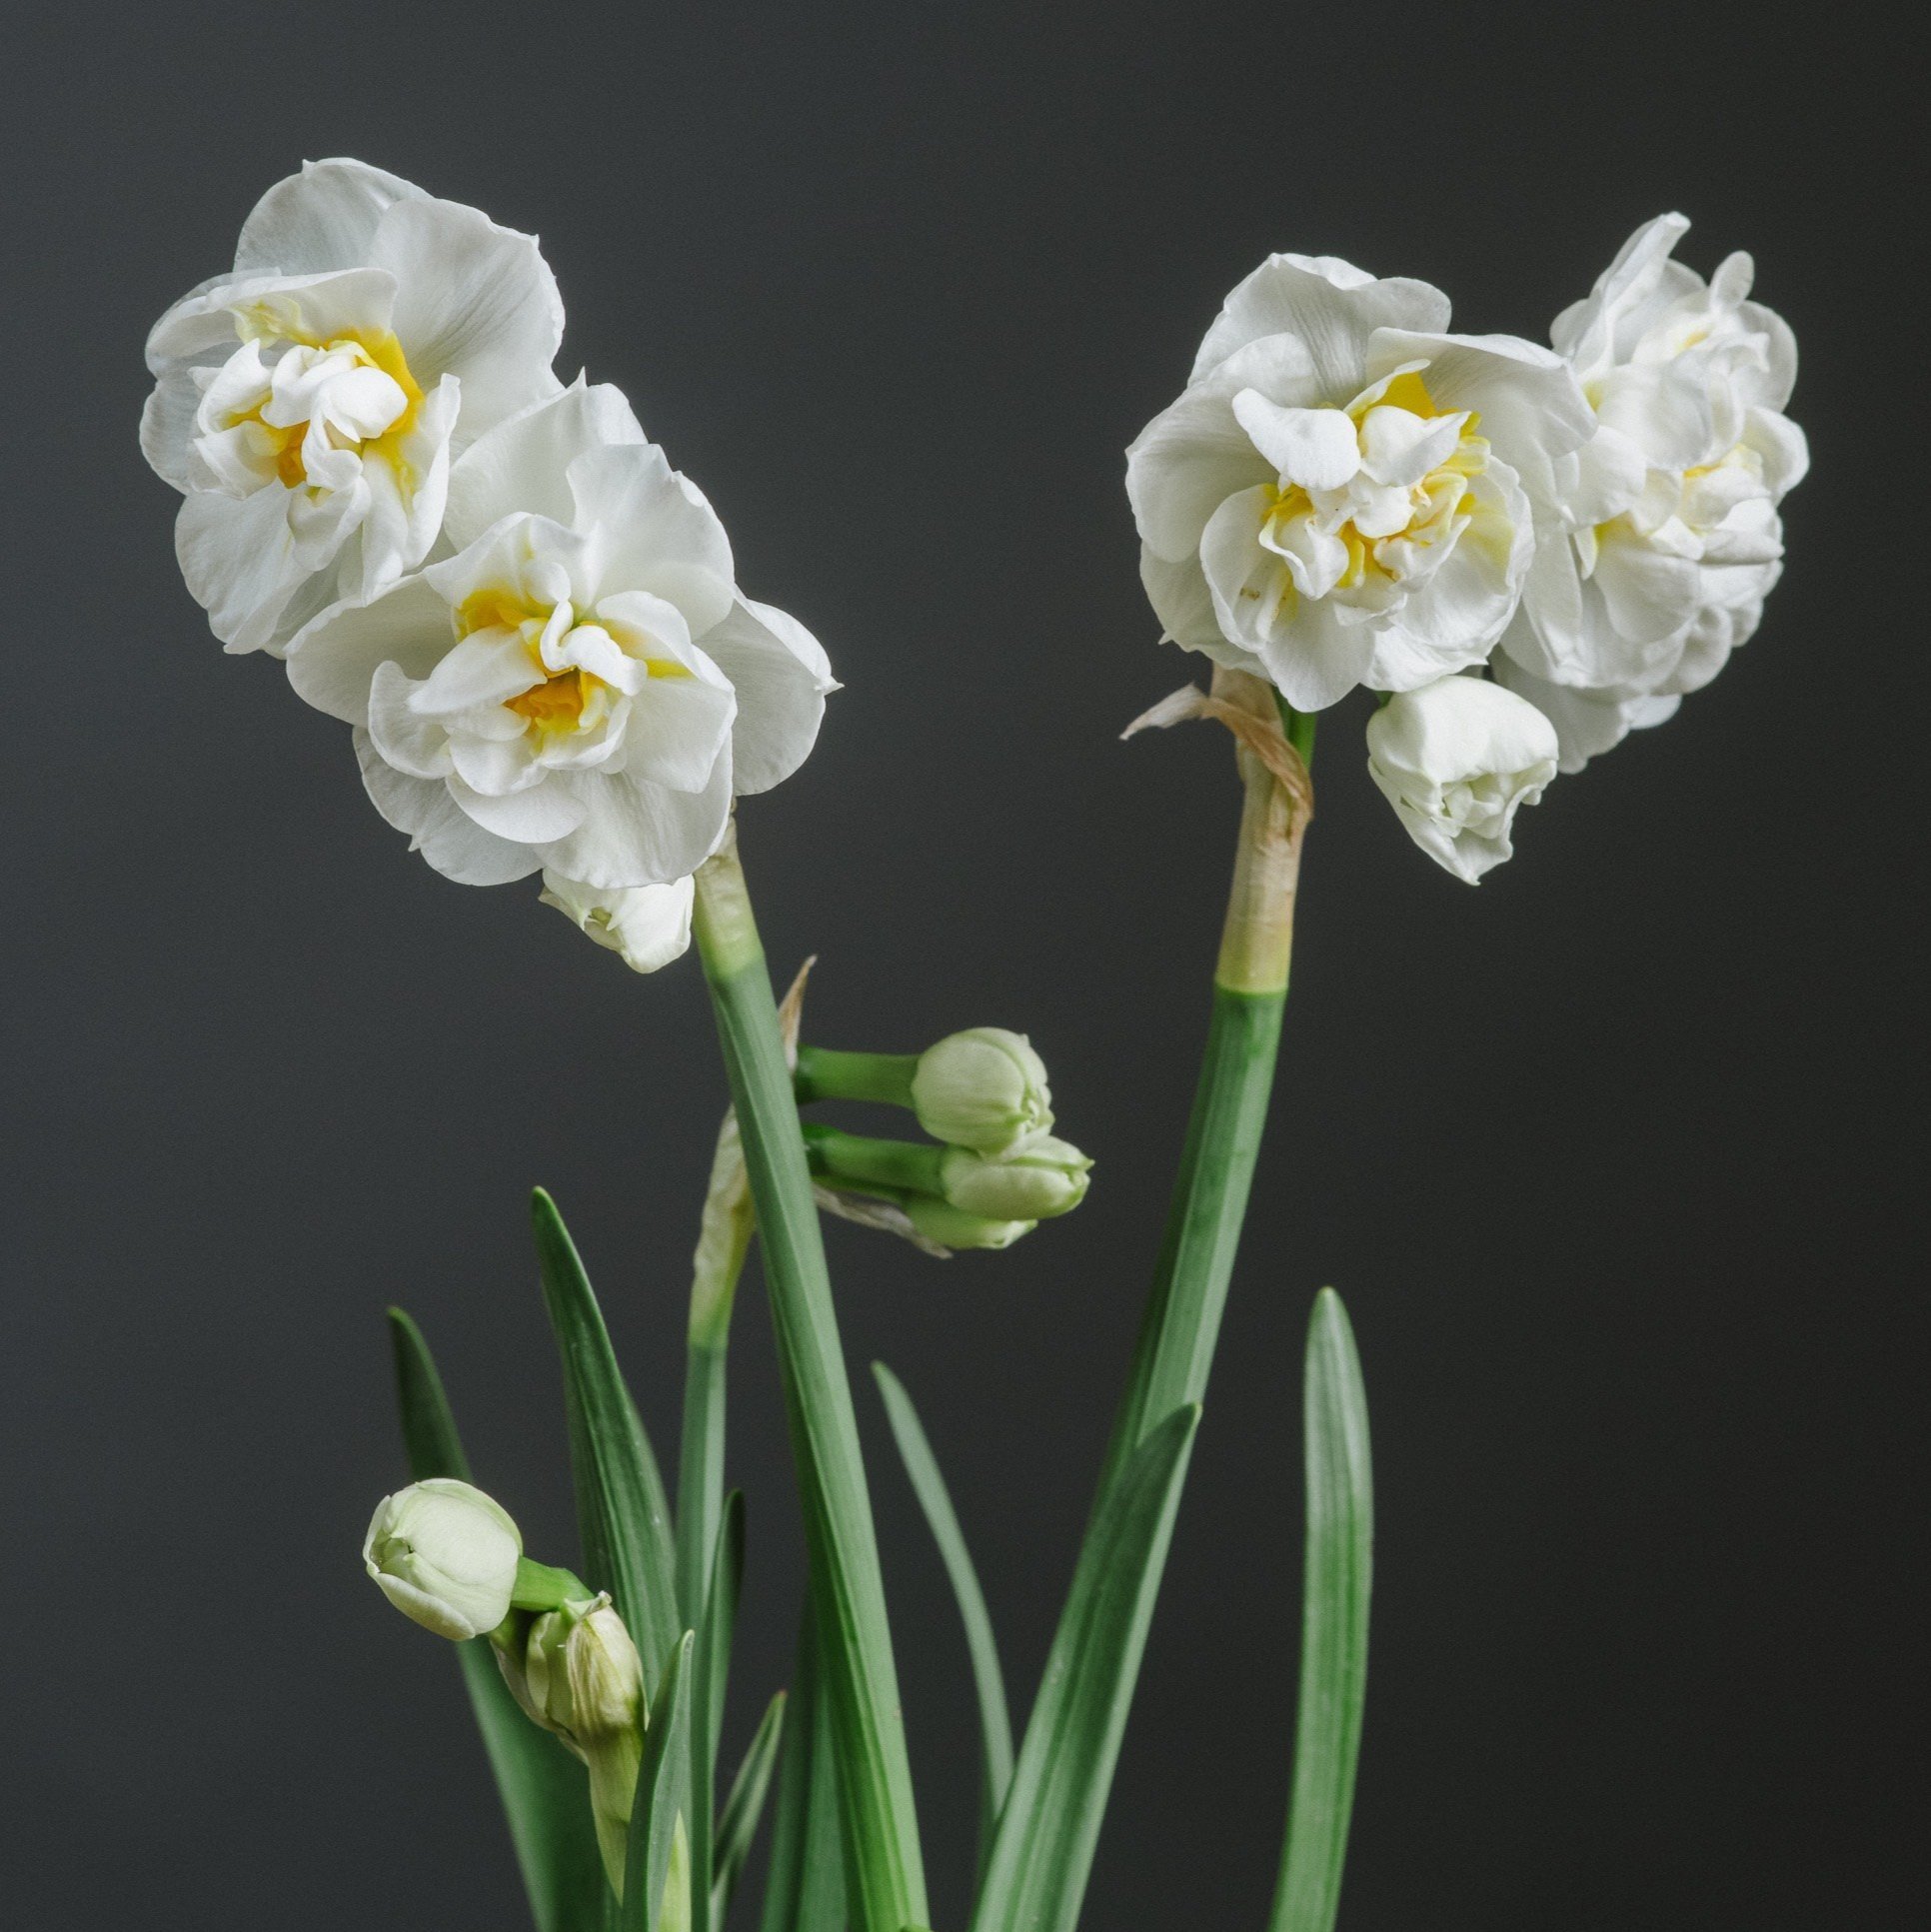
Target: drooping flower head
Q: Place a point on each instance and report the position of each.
(1336, 497)
(1457, 759)
(1661, 537)
(307, 404)
(581, 687)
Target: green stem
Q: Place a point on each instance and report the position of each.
(827, 1076)
(904, 1166)
(1182, 1325)
(1188, 1295)
(848, 1588)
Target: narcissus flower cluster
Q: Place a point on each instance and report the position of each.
(531, 620)
(1346, 495)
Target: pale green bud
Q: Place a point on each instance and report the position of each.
(445, 1554)
(579, 1675)
(983, 1088)
(940, 1222)
(1034, 1182)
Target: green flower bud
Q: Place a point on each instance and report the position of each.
(579, 1675)
(445, 1554)
(1034, 1182)
(985, 1088)
(939, 1220)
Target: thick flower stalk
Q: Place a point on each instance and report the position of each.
(1658, 539)
(308, 403)
(580, 689)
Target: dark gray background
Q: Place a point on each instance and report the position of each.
(1605, 1156)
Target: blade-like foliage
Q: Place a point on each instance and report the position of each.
(994, 1718)
(621, 1513)
(1335, 1584)
(738, 1821)
(544, 1792)
(711, 1666)
(1042, 1849)
(805, 1888)
(660, 1822)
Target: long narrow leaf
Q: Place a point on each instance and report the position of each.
(994, 1718)
(1336, 1579)
(847, 1586)
(738, 1821)
(621, 1513)
(543, 1789)
(661, 1817)
(711, 1666)
(805, 1888)
(1043, 1850)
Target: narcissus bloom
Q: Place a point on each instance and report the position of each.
(1661, 536)
(307, 403)
(581, 687)
(1336, 497)
(1457, 759)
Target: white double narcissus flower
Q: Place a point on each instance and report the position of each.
(1660, 536)
(580, 688)
(307, 403)
(1457, 759)
(1336, 497)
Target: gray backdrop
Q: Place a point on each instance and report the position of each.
(1601, 1155)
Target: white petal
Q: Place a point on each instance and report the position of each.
(1647, 594)
(1330, 305)
(239, 562)
(638, 833)
(1531, 406)
(168, 425)
(454, 843)
(1663, 409)
(485, 667)
(333, 660)
(522, 463)
(312, 308)
(1585, 331)
(1316, 660)
(472, 300)
(412, 743)
(1316, 448)
(1183, 465)
(519, 552)
(655, 531)
(780, 676)
(1180, 600)
(537, 816)
(323, 217)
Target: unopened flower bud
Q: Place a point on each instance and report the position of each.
(939, 1220)
(445, 1554)
(1034, 1182)
(648, 926)
(579, 1675)
(985, 1088)
(1457, 759)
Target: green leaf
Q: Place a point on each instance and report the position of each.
(712, 1666)
(1336, 1581)
(621, 1513)
(805, 1888)
(1042, 1849)
(994, 1719)
(847, 1586)
(737, 1822)
(543, 1789)
(663, 1808)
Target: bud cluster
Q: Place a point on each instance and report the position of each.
(996, 1170)
(451, 1560)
